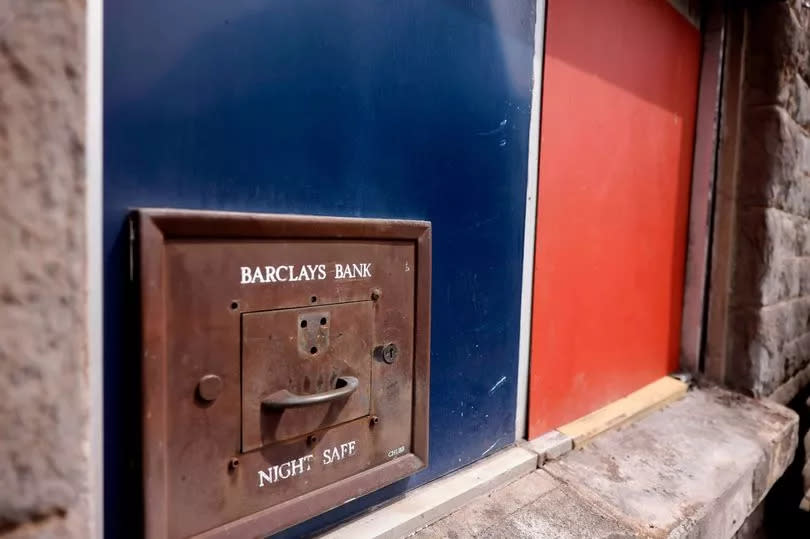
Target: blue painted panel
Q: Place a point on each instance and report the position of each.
(366, 108)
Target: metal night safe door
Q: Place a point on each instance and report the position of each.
(285, 365)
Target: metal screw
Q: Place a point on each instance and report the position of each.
(312, 439)
(374, 420)
(376, 294)
(209, 387)
(233, 464)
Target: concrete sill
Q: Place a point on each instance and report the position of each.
(696, 469)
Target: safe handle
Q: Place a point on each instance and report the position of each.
(282, 399)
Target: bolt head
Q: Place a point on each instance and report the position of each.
(209, 387)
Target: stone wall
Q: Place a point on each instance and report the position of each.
(767, 121)
(769, 300)
(44, 437)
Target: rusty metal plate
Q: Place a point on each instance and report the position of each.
(290, 350)
(285, 365)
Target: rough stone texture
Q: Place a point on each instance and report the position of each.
(431, 502)
(768, 319)
(562, 514)
(769, 296)
(753, 527)
(488, 511)
(696, 469)
(44, 440)
(805, 503)
(534, 506)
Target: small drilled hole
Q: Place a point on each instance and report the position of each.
(313, 350)
(323, 321)
(313, 299)
(303, 323)
(234, 305)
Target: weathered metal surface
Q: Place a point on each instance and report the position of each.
(272, 362)
(216, 307)
(313, 332)
(209, 387)
(284, 399)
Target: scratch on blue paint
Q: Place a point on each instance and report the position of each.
(490, 448)
(501, 127)
(498, 384)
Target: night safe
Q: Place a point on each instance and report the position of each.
(285, 365)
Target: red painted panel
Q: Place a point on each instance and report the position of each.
(619, 98)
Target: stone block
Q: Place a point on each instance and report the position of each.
(799, 101)
(796, 355)
(754, 367)
(695, 469)
(770, 256)
(777, 49)
(768, 345)
(486, 513)
(774, 162)
(43, 365)
(433, 501)
(803, 269)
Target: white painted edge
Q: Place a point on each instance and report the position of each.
(529, 226)
(428, 503)
(95, 277)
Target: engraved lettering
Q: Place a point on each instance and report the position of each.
(302, 465)
(257, 276)
(298, 466)
(339, 453)
(264, 477)
(304, 272)
(270, 274)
